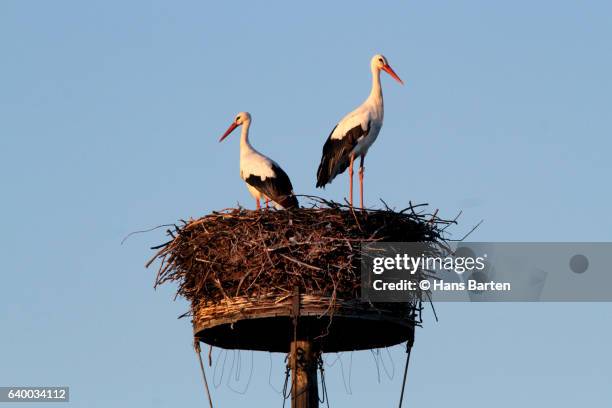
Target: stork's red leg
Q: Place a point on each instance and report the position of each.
(267, 203)
(258, 203)
(361, 170)
(351, 180)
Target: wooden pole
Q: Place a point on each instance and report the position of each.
(304, 387)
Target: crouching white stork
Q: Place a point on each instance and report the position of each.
(263, 176)
(355, 133)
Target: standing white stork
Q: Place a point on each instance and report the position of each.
(355, 133)
(263, 176)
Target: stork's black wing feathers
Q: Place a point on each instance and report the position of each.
(336, 154)
(277, 188)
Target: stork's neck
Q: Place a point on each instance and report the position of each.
(245, 146)
(376, 95)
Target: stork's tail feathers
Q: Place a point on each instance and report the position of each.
(324, 173)
(288, 202)
(330, 168)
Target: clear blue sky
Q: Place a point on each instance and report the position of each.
(110, 112)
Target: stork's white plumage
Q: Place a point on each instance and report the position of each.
(263, 176)
(355, 133)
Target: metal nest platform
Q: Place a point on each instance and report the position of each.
(331, 325)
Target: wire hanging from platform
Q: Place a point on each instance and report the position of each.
(198, 350)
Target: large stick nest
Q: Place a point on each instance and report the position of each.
(238, 252)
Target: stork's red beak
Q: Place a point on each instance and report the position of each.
(390, 71)
(228, 131)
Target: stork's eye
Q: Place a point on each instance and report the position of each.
(381, 60)
(237, 118)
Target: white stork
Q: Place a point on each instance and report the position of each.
(355, 133)
(263, 176)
